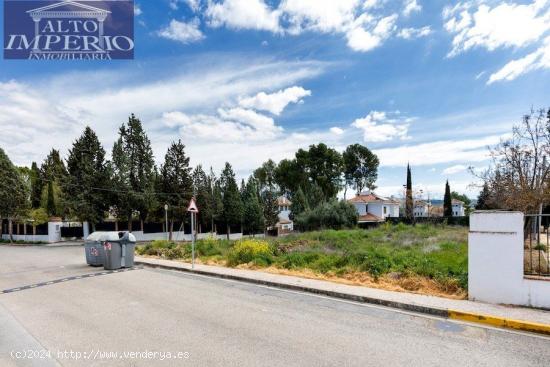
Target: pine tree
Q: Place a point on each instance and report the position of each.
(232, 204)
(447, 201)
(299, 203)
(176, 183)
(484, 198)
(217, 203)
(133, 162)
(88, 181)
(409, 203)
(253, 217)
(13, 192)
(203, 189)
(360, 168)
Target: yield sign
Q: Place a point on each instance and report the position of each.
(193, 206)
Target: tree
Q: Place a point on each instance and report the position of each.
(465, 199)
(484, 198)
(265, 175)
(520, 171)
(217, 201)
(202, 185)
(253, 217)
(409, 203)
(38, 216)
(290, 177)
(323, 166)
(232, 204)
(13, 193)
(360, 168)
(330, 215)
(270, 208)
(88, 181)
(51, 207)
(299, 203)
(447, 201)
(176, 183)
(133, 161)
(36, 186)
(53, 171)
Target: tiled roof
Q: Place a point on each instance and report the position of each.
(370, 218)
(283, 201)
(457, 202)
(371, 198)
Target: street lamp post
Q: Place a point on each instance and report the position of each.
(166, 219)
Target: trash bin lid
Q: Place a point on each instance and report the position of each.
(111, 236)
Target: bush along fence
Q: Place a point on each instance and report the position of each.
(452, 221)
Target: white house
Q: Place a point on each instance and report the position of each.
(458, 208)
(284, 224)
(421, 209)
(373, 208)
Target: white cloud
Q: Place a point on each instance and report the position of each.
(368, 34)
(243, 14)
(412, 33)
(182, 32)
(539, 59)
(137, 10)
(445, 151)
(476, 24)
(411, 6)
(365, 24)
(31, 122)
(336, 130)
(453, 170)
(275, 102)
(318, 15)
(379, 127)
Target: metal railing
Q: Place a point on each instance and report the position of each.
(537, 245)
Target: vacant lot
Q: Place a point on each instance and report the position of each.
(429, 259)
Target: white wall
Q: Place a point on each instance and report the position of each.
(28, 237)
(180, 236)
(495, 262)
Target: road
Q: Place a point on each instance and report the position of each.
(206, 321)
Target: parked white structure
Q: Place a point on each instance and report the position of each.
(496, 262)
(458, 208)
(373, 208)
(284, 224)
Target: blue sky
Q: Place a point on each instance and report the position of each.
(430, 82)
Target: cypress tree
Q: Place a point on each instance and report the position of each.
(447, 201)
(36, 186)
(409, 203)
(202, 187)
(50, 206)
(270, 208)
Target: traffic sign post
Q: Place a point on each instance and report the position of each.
(193, 210)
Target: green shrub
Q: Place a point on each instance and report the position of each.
(249, 250)
(208, 247)
(333, 215)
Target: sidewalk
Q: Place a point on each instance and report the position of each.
(520, 318)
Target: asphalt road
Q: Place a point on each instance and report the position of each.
(136, 318)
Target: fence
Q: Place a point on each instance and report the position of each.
(453, 221)
(536, 245)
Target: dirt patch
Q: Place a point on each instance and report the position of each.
(390, 282)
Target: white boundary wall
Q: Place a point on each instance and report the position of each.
(495, 262)
(181, 236)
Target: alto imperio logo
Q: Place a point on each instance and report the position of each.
(69, 29)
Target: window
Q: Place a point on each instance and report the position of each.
(385, 210)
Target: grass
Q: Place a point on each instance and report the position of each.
(424, 258)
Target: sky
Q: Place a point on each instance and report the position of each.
(430, 83)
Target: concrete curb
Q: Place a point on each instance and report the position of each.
(494, 321)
